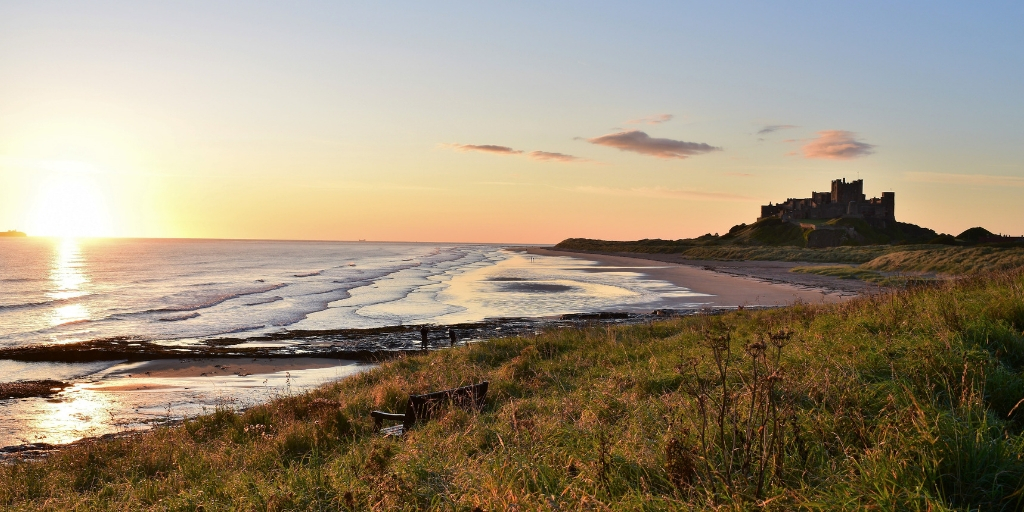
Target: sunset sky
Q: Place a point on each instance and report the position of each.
(479, 122)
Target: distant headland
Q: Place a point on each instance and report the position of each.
(12, 233)
(843, 216)
(841, 226)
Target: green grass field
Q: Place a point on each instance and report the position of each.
(900, 401)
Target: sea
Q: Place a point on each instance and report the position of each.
(189, 295)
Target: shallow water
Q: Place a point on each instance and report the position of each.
(187, 296)
(56, 291)
(109, 401)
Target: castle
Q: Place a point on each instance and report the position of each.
(845, 200)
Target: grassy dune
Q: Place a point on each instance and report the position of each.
(950, 260)
(900, 401)
(845, 272)
(888, 269)
(879, 258)
(873, 260)
(686, 249)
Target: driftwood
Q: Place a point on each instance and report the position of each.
(421, 407)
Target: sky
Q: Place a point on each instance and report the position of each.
(517, 122)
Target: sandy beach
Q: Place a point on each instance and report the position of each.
(728, 284)
(221, 367)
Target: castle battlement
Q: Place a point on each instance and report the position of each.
(846, 199)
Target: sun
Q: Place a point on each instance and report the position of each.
(69, 204)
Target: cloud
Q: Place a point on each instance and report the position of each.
(655, 119)
(966, 179)
(546, 156)
(542, 156)
(639, 142)
(740, 174)
(836, 145)
(665, 193)
(774, 128)
(484, 148)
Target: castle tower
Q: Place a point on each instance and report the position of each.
(843, 192)
(889, 203)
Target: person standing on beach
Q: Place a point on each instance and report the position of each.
(424, 342)
(453, 337)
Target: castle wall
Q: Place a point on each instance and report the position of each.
(846, 198)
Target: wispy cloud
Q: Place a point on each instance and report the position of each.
(774, 128)
(541, 156)
(966, 179)
(655, 119)
(836, 145)
(639, 142)
(483, 148)
(739, 174)
(547, 156)
(663, 192)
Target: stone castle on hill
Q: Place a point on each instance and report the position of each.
(845, 200)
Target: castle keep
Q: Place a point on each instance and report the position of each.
(845, 200)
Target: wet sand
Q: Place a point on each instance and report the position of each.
(220, 367)
(724, 289)
(111, 402)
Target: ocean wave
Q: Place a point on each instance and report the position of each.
(36, 304)
(213, 300)
(267, 300)
(178, 318)
(74, 322)
(365, 344)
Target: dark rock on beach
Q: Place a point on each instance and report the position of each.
(32, 388)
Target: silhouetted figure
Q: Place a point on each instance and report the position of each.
(452, 337)
(424, 342)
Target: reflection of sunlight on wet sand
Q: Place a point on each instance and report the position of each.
(551, 285)
(119, 404)
(67, 281)
(81, 413)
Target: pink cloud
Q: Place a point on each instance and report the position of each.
(639, 142)
(484, 148)
(547, 156)
(836, 145)
(541, 156)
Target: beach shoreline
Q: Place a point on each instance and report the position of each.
(225, 360)
(731, 283)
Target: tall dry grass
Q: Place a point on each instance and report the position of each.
(908, 400)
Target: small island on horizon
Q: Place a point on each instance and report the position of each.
(12, 233)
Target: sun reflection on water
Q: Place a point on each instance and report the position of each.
(68, 282)
(79, 414)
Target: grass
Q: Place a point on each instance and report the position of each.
(899, 401)
(858, 272)
(687, 250)
(945, 260)
(951, 260)
(847, 254)
(843, 272)
(874, 258)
